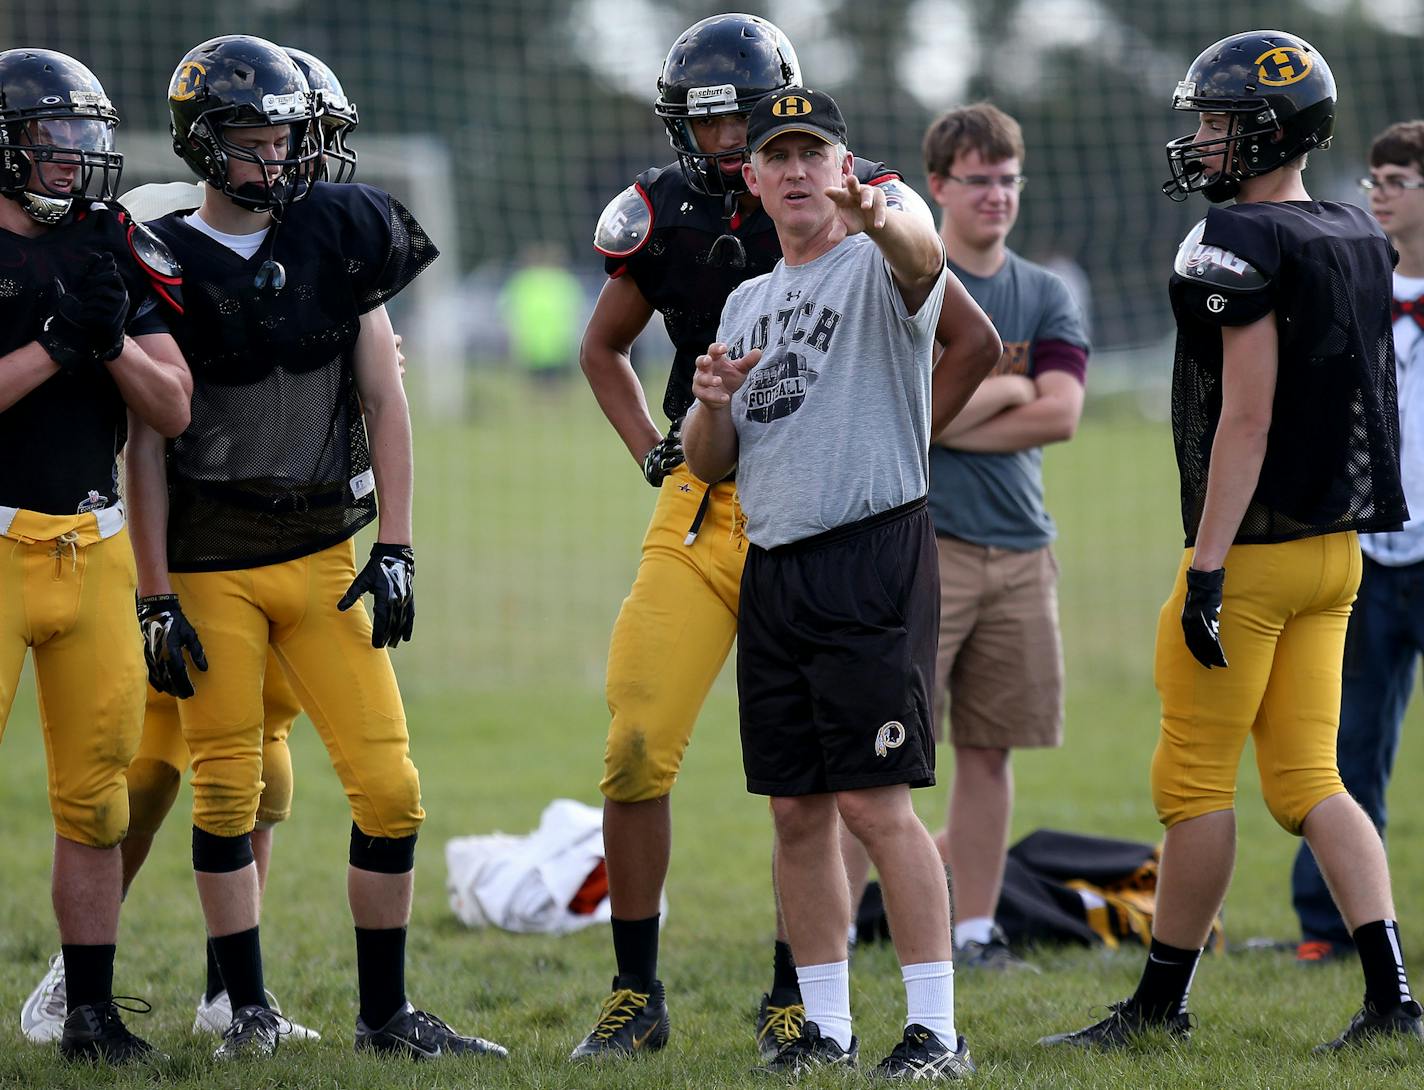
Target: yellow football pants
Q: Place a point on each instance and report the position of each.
(1283, 617)
(672, 636)
(347, 687)
(69, 595)
(163, 756)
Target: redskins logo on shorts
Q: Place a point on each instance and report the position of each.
(890, 736)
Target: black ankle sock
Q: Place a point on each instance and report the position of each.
(1166, 980)
(239, 958)
(88, 975)
(635, 947)
(215, 980)
(785, 988)
(380, 970)
(1382, 959)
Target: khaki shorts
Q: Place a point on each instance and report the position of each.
(999, 672)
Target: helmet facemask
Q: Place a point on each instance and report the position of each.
(50, 158)
(703, 169)
(295, 173)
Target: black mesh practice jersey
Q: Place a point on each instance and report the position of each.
(1332, 452)
(673, 271)
(59, 443)
(275, 463)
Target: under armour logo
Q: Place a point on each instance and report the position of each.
(792, 296)
(686, 207)
(890, 736)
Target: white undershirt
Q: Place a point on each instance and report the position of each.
(244, 246)
(1407, 545)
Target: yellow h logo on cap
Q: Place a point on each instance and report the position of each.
(790, 106)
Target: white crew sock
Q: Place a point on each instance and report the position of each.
(978, 929)
(825, 990)
(929, 998)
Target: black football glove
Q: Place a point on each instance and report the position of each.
(87, 324)
(166, 635)
(1201, 616)
(390, 577)
(665, 456)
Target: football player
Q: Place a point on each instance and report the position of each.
(677, 242)
(84, 341)
(1287, 436)
(157, 769)
(244, 522)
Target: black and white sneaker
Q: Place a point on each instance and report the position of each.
(922, 1055)
(1401, 1020)
(253, 1031)
(96, 1033)
(1124, 1024)
(417, 1035)
(808, 1051)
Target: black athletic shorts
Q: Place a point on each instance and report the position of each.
(836, 642)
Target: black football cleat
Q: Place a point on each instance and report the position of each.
(630, 1021)
(922, 1055)
(416, 1035)
(994, 955)
(253, 1031)
(1401, 1020)
(777, 1026)
(809, 1051)
(95, 1032)
(1125, 1024)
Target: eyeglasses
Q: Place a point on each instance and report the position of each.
(1390, 185)
(1015, 182)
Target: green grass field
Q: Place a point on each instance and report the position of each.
(529, 519)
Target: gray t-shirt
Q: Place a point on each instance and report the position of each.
(992, 498)
(833, 422)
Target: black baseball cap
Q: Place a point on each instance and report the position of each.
(795, 109)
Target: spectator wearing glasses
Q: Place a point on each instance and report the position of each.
(1386, 631)
(1000, 663)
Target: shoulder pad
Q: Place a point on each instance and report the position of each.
(155, 257)
(156, 200)
(625, 224)
(1215, 266)
(900, 197)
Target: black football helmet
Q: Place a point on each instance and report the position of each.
(1270, 82)
(241, 81)
(722, 65)
(338, 116)
(56, 134)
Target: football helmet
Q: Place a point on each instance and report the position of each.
(1268, 82)
(722, 65)
(241, 81)
(338, 116)
(56, 134)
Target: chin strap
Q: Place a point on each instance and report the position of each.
(728, 249)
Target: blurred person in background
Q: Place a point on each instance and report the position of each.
(1286, 431)
(543, 304)
(1386, 633)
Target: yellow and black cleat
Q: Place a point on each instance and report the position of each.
(630, 1021)
(777, 1026)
